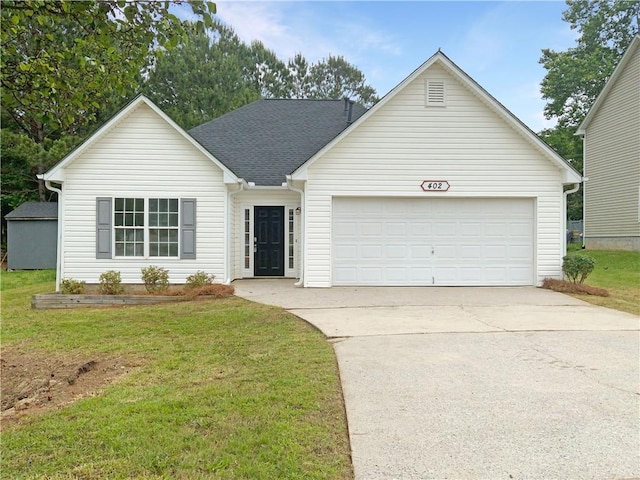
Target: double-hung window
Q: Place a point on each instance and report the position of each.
(163, 227)
(146, 227)
(128, 222)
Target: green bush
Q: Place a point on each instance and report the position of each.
(199, 279)
(577, 267)
(111, 283)
(156, 279)
(70, 286)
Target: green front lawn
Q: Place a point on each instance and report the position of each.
(224, 389)
(619, 272)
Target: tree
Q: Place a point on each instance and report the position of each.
(203, 78)
(334, 77)
(63, 62)
(213, 72)
(575, 77)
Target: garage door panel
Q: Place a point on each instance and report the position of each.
(444, 241)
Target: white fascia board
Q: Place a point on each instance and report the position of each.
(635, 43)
(495, 105)
(56, 173)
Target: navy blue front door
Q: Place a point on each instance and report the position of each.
(269, 242)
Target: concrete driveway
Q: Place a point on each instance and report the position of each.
(478, 383)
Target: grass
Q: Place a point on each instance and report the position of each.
(226, 389)
(618, 272)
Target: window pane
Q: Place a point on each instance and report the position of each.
(139, 219)
(153, 235)
(163, 220)
(173, 250)
(173, 205)
(153, 204)
(163, 204)
(128, 203)
(128, 219)
(128, 249)
(153, 249)
(173, 220)
(140, 204)
(139, 235)
(129, 235)
(119, 249)
(173, 236)
(139, 249)
(164, 235)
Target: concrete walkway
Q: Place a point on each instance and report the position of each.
(474, 383)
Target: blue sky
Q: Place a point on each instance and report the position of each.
(496, 43)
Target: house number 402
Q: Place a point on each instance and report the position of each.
(435, 185)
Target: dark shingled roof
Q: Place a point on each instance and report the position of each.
(268, 139)
(34, 210)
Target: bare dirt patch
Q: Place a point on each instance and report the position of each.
(35, 382)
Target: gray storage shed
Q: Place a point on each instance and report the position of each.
(32, 236)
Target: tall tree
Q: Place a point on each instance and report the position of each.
(334, 77)
(63, 62)
(576, 76)
(215, 72)
(204, 77)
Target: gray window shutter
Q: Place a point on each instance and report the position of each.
(103, 227)
(188, 228)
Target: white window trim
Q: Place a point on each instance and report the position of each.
(145, 228)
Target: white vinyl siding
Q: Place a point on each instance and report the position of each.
(248, 199)
(467, 144)
(612, 159)
(142, 156)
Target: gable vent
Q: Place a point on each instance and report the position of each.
(435, 94)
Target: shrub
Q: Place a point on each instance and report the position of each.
(70, 286)
(577, 267)
(199, 279)
(156, 279)
(111, 283)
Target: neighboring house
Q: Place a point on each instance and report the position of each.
(32, 236)
(437, 184)
(611, 132)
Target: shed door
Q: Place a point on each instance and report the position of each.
(437, 241)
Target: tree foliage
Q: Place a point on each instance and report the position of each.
(62, 60)
(203, 78)
(213, 72)
(576, 76)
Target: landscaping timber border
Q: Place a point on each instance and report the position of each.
(58, 300)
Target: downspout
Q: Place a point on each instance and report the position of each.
(300, 282)
(227, 240)
(564, 230)
(59, 249)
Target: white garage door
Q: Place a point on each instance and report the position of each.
(443, 241)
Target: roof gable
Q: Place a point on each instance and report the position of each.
(268, 139)
(56, 173)
(34, 211)
(570, 175)
(617, 72)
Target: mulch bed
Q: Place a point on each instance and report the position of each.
(563, 286)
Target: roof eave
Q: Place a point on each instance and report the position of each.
(300, 172)
(56, 173)
(582, 128)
